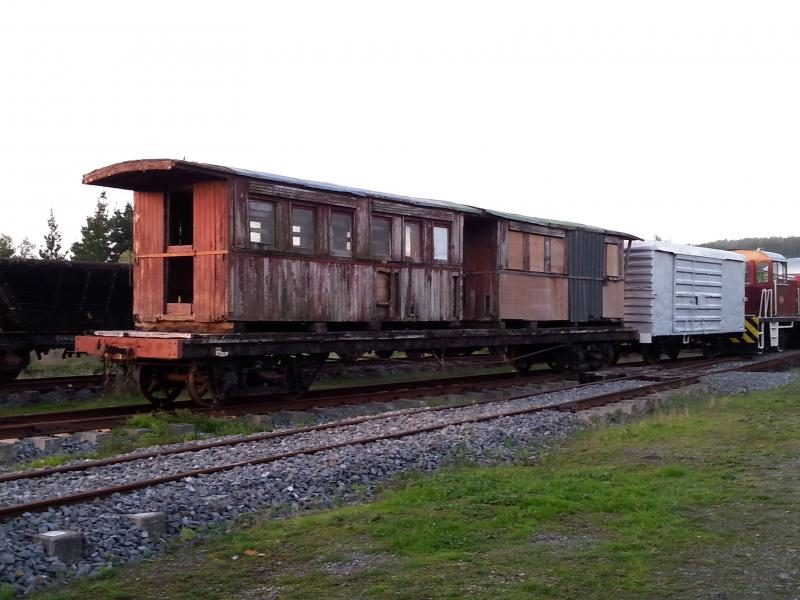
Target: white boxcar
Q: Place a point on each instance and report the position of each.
(680, 296)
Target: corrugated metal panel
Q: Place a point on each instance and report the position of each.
(586, 272)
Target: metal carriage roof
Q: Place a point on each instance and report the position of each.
(150, 175)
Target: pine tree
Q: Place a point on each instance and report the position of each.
(6, 246)
(121, 232)
(52, 241)
(95, 244)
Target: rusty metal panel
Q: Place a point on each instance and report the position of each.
(148, 238)
(533, 297)
(586, 260)
(135, 347)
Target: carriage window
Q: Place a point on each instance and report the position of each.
(302, 228)
(762, 272)
(412, 245)
(441, 243)
(262, 222)
(558, 255)
(779, 271)
(612, 260)
(380, 239)
(179, 218)
(342, 233)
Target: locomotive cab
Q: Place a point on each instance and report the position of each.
(772, 298)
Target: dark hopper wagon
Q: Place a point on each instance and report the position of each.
(45, 303)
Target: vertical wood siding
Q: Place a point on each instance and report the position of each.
(148, 238)
(210, 242)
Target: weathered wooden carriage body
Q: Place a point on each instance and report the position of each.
(525, 271)
(219, 249)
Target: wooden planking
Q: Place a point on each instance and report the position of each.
(269, 288)
(614, 300)
(533, 297)
(396, 208)
(148, 238)
(210, 235)
(515, 249)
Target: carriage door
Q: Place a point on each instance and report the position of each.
(179, 263)
(586, 260)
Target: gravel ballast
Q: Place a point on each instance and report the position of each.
(284, 487)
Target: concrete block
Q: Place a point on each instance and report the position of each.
(67, 546)
(136, 432)
(8, 451)
(180, 429)
(154, 523)
(47, 443)
(94, 437)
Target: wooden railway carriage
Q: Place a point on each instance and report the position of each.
(245, 279)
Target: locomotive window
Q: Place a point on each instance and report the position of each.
(342, 233)
(762, 272)
(302, 228)
(179, 218)
(748, 275)
(380, 239)
(412, 245)
(262, 222)
(515, 255)
(612, 260)
(779, 272)
(441, 243)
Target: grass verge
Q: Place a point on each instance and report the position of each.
(677, 505)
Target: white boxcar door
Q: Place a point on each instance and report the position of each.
(697, 286)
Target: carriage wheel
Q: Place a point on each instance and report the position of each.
(673, 350)
(384, 354)
(202, 387)
(651, 353)
(157, 387)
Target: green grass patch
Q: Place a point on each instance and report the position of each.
(623, 512)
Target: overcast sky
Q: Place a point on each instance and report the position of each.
(677, 118)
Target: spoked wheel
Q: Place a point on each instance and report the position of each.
(302, 371)
(158, 385)
(211, 384)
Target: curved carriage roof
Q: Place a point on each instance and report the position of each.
(151, 175)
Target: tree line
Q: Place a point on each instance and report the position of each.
(788, 246)
(106, 237)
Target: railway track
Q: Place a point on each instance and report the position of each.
(100, 418)
(307, 441)
(47, 384)
(27, 425)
